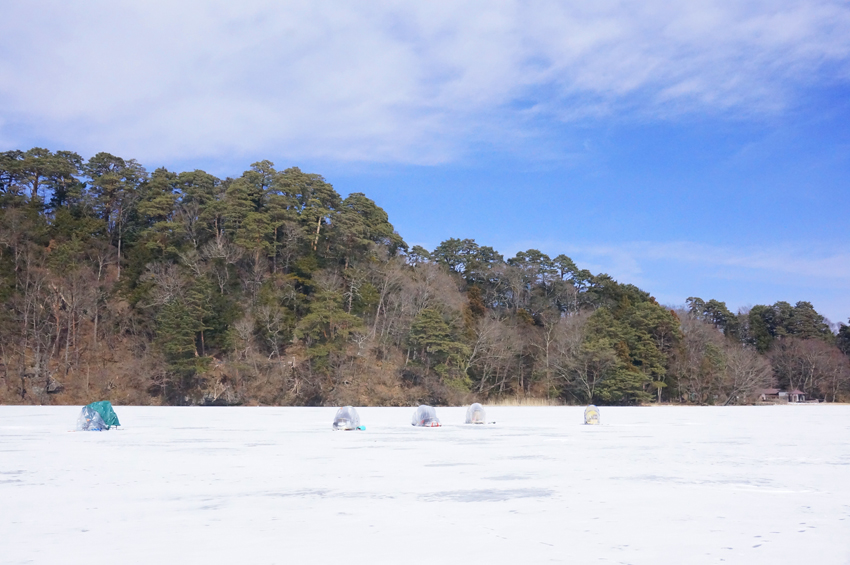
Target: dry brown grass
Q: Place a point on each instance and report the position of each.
(525, 401)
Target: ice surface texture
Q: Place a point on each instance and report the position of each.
(746, 485)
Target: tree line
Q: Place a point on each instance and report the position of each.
(271, 288)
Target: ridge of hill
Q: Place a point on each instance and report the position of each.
(271, 288)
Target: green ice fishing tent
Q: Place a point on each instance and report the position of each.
(97, 416)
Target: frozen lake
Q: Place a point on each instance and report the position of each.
(677, 485)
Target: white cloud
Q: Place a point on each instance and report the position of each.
(742, 276)
(827, 265)
(391, 81)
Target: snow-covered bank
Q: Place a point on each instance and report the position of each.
(276, 485)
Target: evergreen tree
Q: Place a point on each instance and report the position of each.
(269, 287)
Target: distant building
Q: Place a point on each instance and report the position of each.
(776, 396)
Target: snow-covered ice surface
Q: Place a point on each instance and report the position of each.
(677, 485)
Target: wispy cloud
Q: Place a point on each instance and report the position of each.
(828, 266)
(672, 271)
(391, 81)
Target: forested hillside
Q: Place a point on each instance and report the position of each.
(270, 288)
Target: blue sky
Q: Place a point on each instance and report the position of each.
(697, 149)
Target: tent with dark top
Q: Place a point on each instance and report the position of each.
(97, 416)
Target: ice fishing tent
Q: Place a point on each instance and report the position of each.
(347, 418)
(97, 416)
(475, 414)
(426, 417)
(591, 415)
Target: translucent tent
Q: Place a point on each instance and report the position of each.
(475, 414)
(591, 415)
(426, 417)
(97, 416)
(347, 418)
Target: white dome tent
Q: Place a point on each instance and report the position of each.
(475, 414)
(347, 419)
(591, 415)
(426, 417)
